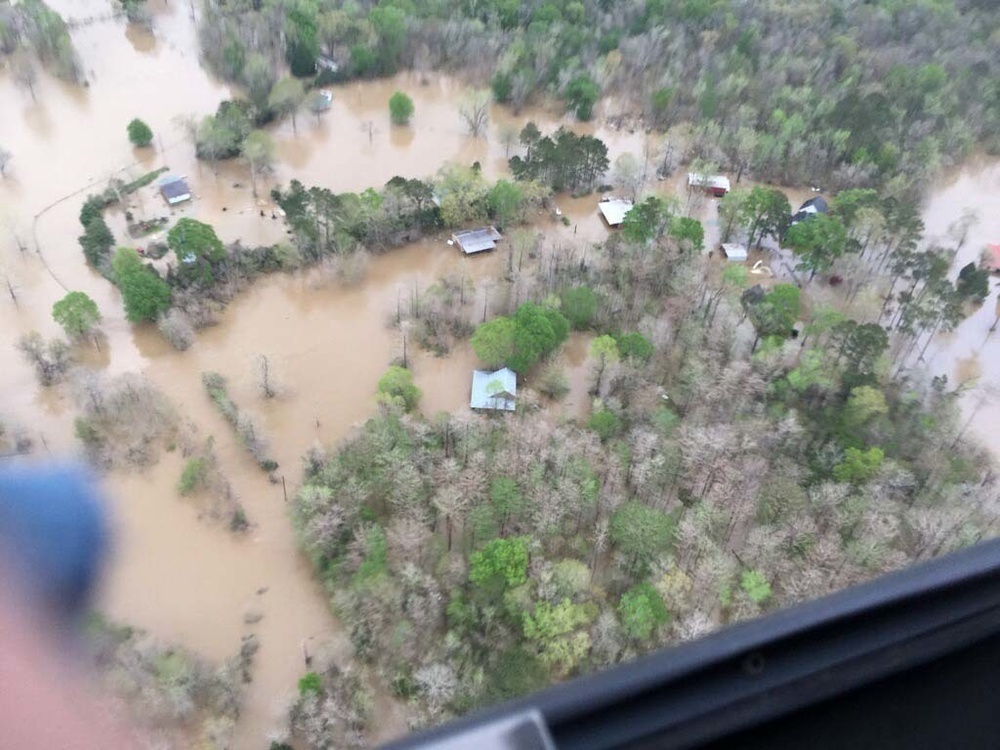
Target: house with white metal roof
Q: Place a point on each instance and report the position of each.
(496, 391)
(614, 209)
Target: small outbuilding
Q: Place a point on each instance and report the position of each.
(811, 207)
(614, 210)
(717, 184)
(175, 190)
(734, 253)
(476, 240)
(496, 391)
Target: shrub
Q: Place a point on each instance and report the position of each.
(400, 108)
(177, 329)
(194, 475)
(579, 305)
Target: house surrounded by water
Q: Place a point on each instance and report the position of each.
(614, 209)
(494, 391)
(175, 190)
(715, 184)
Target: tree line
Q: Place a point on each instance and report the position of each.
(900, 91)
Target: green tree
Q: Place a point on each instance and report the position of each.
(500, 565)
(646, 221)
(507, 500)
(581, 95)
(973, 283)
(505, 202)
(77, 314)
(772, 313)
(660, 102)
(765, 212)
(818, 241)
(755, 586)
(864, 406)
(139, 133)
(198, 249)
(389, 24)
(310, 683)
(605, 423)
(641, 611)
(560, 632)
(286, 98)
(537, 332)
(396, 387)
(96, 240)
(579, 305)
(635, 346)
(641, 533)
(400, 108)
(144, 294)
(689, 234)
(858, 465)
(494, 342)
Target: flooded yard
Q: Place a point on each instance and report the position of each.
(172, 573)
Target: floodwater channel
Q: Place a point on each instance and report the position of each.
(172, 572)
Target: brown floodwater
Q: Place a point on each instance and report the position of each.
(173, 572)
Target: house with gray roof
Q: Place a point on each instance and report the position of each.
(175, 190)
(476, 240)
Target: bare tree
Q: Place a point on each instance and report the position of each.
(5, 157)
(508, 139)
(51, 359)
(475, 112)
(25, 73)
(265, 380)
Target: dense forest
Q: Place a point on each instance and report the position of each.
(845, 93)
(749, 446)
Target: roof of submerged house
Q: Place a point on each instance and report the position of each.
(733, 251)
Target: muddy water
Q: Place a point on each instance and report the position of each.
(173, 573)
(971, 353)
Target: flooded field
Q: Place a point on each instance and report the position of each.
(173, 573)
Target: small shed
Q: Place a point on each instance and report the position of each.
(614, 209)
(734, 253)
(175, 190)
(716, 184)
(473, 241)
(991, 258)
(811, 207)
(496, 391)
